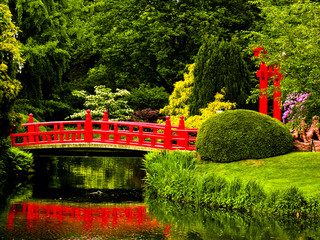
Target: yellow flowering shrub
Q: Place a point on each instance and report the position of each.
(178, 103)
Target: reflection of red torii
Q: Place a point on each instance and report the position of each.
(264, 74)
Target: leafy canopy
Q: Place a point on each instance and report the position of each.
(136, 42)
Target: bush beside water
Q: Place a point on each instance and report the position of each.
(242, 134)
(173, 175)
(13, 161)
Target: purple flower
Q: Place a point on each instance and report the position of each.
(293, 106)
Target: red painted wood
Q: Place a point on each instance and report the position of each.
(88, 136)
(277, 95)
(143, 134)
(167, 134)
(264, 74)
(263, 100)
(31, 128)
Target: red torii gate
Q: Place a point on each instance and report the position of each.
(264, 74)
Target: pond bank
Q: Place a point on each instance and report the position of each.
(178, 176)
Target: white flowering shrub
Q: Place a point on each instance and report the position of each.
(104, 99)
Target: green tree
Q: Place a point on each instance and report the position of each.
(289, 35)
(104, 99)
(10, 63)
(219, 64)
(145, 41)
(46, 43)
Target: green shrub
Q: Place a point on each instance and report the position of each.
(18, 161)
(148, 97)
(242, 134)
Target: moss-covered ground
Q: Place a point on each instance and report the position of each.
(297, 169)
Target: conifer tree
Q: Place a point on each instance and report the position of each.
(219, 64)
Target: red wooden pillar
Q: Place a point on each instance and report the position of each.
(61, 132)
(36, 137)
(167, 134)
(182, 143)
(105, 126)
(262, 74)
(31, 128)
(277, 95)
(88, 136)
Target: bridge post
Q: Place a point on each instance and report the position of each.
(105, 126)
(167, 134)
(31, 128)
(182, 143)
(88, 136)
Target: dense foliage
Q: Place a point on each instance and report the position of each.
(10, 63)
(146, 96)
(128, 44)
(242, 134)
(152, 41)
(14, 163)
(219, 64)
(179, 102)
(45, 39)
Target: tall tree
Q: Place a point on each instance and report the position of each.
(44, 35)
(219, 64)
(10, 63)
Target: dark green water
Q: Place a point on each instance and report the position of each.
(102, 198)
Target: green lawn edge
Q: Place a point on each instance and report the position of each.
(284, 185)
(295, 169)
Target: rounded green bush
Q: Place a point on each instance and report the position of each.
(242, 134)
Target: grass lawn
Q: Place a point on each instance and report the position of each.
(299, 169)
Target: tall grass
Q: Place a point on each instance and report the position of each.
(172, 175)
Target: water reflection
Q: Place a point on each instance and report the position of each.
(201, 223)
(28, 220)
(101, 198)
(93, 179)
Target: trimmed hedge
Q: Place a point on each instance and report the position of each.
(242, 134)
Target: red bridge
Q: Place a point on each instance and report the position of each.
(104, 134)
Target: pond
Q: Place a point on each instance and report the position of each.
(102, 198)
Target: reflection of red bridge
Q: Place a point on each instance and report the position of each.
(139, 136)
(37, 217)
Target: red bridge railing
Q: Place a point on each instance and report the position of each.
(141, 134)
